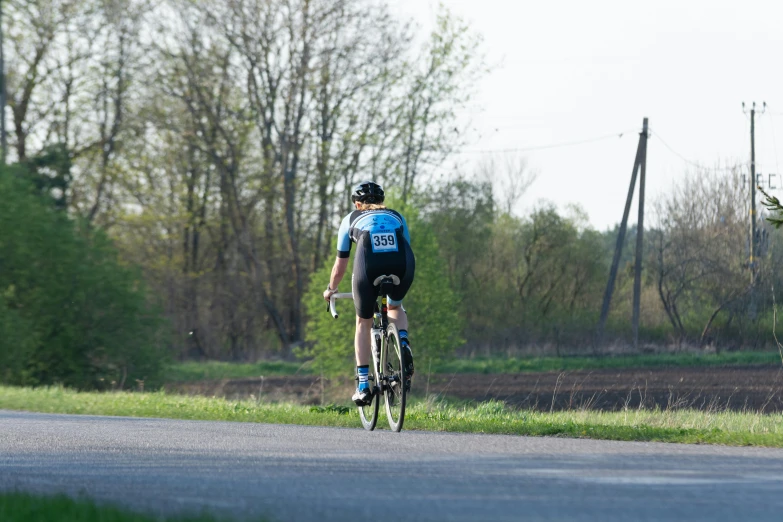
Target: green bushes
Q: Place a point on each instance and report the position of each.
(70, 313)
(536, 279)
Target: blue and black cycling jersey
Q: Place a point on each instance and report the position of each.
(382, 248)
(380, 224)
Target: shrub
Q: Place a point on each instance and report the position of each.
(70, 313)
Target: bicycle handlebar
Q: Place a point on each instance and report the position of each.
(331, 308)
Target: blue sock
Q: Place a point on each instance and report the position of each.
(404, 337)
(363, 372)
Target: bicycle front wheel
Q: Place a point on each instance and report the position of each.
(394, 373)
(369, 412)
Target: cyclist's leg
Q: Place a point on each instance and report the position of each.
(397, 313)
(363, 360)
(362, 341)
(398, 316)
(364, 301)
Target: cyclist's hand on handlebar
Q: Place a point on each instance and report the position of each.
(328, 293)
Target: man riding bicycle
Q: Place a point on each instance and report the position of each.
(382, 248)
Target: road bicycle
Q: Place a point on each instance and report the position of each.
(387, 372)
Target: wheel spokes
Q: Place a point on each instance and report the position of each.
(369, 412)
(395, 394)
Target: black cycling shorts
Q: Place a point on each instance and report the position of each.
(368, 265)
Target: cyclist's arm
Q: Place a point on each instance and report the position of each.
(338, 271)
(344, 238)
(343, 253)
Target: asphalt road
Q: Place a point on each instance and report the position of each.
(310, 473)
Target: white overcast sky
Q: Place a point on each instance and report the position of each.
(574, 70)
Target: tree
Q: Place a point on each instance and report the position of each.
(215, 140)
(73, 66)
(520, 278)
(422, 120)
(69, 312)
(287, 103)
(509, 175)
(773, 205)
(35, 37)
(698, 259)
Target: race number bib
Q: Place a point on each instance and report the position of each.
(384, 242)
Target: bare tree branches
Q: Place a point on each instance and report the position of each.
(217, 138)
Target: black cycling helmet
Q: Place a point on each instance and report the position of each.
(367, 192)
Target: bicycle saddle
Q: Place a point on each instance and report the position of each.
(386, 278)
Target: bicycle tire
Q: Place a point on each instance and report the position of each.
(395, 395)
(369, 412)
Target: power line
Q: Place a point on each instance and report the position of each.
(549, 146)
(686, 160)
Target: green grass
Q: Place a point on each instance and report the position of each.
(688, 426)
(22, 507)
(216, 370)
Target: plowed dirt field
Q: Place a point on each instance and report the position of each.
(757, 388)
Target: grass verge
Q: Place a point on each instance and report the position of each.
(687, 426)
(216, 370)
(22, 507)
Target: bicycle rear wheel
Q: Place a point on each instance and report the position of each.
(394, 371)
(369, 412)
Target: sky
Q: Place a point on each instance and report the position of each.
(566, 71)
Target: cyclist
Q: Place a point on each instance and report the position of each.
(382, 248)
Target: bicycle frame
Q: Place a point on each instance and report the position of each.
(389, 381)
(380, 323)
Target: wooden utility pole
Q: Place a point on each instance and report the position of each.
(637, 279)
(3, 139)
(752, 261)
(639, 164)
